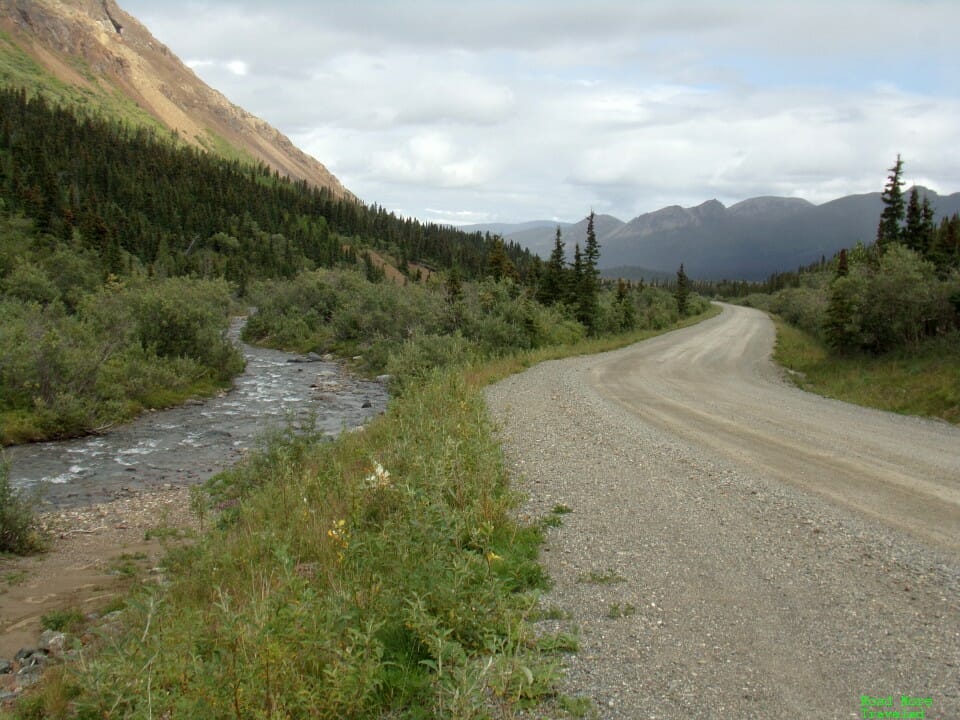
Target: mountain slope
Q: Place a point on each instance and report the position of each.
(91, 53)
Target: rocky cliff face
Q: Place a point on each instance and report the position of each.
(121, 52)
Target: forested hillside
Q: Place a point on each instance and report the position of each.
(138, 200)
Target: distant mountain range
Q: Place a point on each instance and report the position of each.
(746, 241)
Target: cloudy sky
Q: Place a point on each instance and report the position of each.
(509, 110)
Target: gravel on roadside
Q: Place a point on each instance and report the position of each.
(703, 590)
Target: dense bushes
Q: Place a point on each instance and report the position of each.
(877, 303)
(77, 353)
(893, 302)
(406, 330)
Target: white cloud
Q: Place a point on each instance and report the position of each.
(521, 110)
(237, 67)
(431, 159)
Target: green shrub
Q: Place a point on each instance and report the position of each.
(415, 360)
(125, 347)
(62, 620)
(19, 530)
(803, 307)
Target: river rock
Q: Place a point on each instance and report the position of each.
(308, 358)
(24, 653)
(37, 660)
(384, 379)
(6, 667)
(53, 642)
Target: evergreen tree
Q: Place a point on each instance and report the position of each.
(913, 233)
(576, 275)
(843, 266)
(453, 285)
(587, 280)
(841, 327)
(498, 264)
(928, 226)
(553, 285)
(627, 313)
(893, 212)
(682, 293)
(591, 255)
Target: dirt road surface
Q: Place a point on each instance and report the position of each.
(737, 547)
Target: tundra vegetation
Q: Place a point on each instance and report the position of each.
(384, 574)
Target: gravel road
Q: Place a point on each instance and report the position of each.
(737, 547)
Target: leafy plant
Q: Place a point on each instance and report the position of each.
(62, 620)
(20, 532)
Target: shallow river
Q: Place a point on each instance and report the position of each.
(188, 444)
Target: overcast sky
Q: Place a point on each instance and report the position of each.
(509, 110)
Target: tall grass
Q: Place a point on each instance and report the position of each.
(381, 575)
(917, 381)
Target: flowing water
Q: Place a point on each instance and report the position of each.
(187, 444)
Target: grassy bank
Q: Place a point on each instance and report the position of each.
(922, 381)
(383, 574)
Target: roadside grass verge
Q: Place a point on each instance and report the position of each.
(925, 381)
(494, 370)
(381, 575)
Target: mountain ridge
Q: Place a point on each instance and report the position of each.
(750, 240)
(96, 46)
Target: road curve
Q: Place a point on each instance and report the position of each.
(729, 545)
(714, 384)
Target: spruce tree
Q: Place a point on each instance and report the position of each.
(576, 276)
(928, 227)
(682, 293)
(498, 263)
(587, 280)
(893, 212)
(843, 265)
(841, 327)
(553, 286)
(914, 230)
(591, 255)
(625, 308)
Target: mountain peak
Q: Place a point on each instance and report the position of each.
(713, 205)
(769, 204)
(120, 54)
